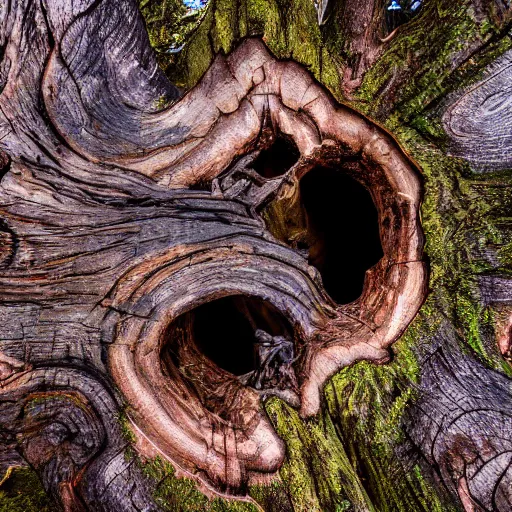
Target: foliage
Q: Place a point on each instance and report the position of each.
(289, 27)
(169, 23)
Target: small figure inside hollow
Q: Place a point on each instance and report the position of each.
(274, 373)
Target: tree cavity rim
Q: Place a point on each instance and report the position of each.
(256, 89)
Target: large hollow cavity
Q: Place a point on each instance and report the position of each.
(225, 332)
(195, 381)
(343, 239)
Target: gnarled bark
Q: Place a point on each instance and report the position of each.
(120, 219)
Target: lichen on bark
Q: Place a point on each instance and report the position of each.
(21, 491)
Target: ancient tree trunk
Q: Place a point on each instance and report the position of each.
(182, 323)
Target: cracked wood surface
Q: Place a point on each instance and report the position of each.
(107, 242)
(478, 119)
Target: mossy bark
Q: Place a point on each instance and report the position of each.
(357, 455)
(390, 437)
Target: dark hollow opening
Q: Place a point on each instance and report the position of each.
(224, 330)
(278, 158)
(343, 231)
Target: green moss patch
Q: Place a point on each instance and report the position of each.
(22, 491)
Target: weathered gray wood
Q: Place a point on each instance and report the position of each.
(478, 119)
(107, 241)
(462, 424)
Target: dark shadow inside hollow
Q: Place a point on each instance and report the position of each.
(213, 353)
(343, 239)
(276, 159)
(224, 330)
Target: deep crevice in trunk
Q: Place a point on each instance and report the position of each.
(276, 159)
(217, 348)
(343, 231)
